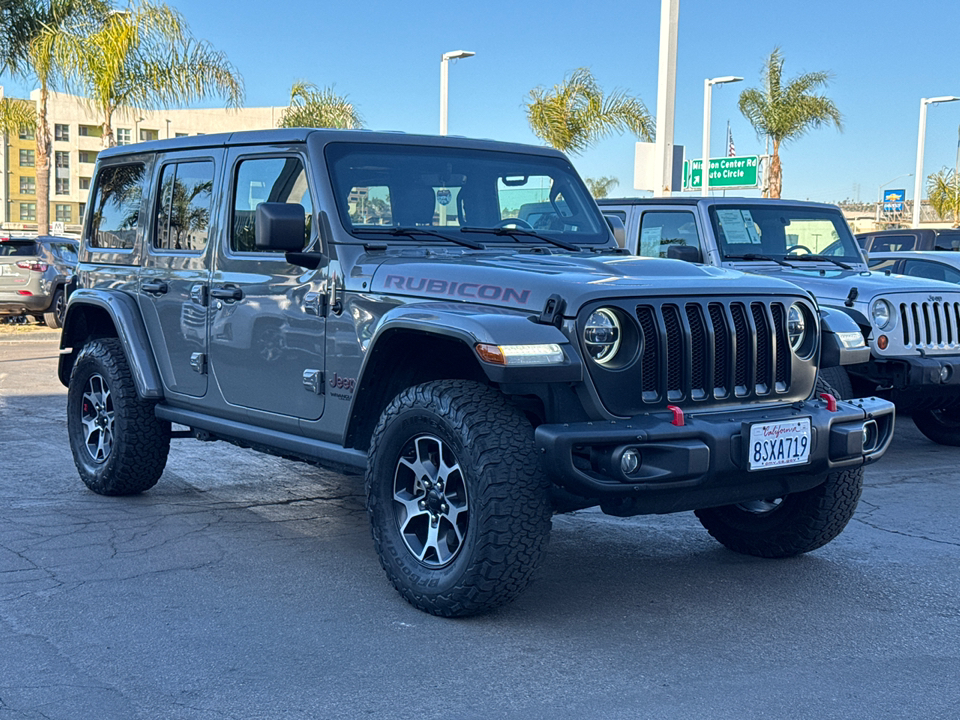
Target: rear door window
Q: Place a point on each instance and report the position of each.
(184, 206)
(892, 243)
(115, 206)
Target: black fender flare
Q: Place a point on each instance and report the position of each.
(128, 327)
(833, 351)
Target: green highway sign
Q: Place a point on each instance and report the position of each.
(725, 173)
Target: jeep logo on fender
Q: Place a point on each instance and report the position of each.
(457, 289)
(343, 383)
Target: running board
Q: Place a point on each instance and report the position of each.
(258, 438)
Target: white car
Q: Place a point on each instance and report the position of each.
(933, 264)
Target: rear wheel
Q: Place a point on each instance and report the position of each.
(787, 526)
(119, 445)
(458, 503)
(941, 426)
(58, 308)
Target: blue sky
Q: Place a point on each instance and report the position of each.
(385, 56)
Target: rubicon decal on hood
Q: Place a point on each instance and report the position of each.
(474, 291)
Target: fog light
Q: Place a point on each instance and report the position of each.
(882, 342)
(944, 373)
(871, 435)
(630, 461)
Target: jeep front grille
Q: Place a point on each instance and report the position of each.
(930, 325)
(706, 352)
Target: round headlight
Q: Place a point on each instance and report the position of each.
(882, 314)
(796, 327)
(601, 335)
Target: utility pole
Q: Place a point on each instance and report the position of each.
(666, 97)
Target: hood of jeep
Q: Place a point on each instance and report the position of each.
(527, 280)
(834, 285)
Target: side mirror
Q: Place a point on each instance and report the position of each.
(619, 232)
(280, 226)
(687, 253)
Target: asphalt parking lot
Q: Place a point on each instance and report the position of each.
(246, 586)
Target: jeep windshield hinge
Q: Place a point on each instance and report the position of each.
(552, 313)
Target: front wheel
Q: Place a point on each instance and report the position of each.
(119, 445)
(794, 524)
(458, 504)
(941, 426)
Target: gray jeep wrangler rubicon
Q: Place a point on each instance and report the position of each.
(374, 302)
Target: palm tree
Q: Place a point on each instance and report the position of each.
(15, 115)
(943, 190)
(784, 112)
(33, 49)
(145, 57)
(311, 106)
(575, 114)
(600, 187)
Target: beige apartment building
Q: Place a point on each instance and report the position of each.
(77, 140)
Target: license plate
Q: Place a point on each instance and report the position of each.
(778, 444)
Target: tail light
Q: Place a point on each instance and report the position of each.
(35, 266)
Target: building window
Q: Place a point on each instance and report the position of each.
(147, 135)
(61, 132)
(28, 158)
(84, 183)
(62, 159)
(28, 211)
(89, 131)
(80, 208)
(180, 134)
(123, 136)
(88, 156)
(63, 186)
(26, 133)
(64, 213)
(28, 185)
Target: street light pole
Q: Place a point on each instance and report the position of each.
(444, 59)
(707, 99)
(921, 137)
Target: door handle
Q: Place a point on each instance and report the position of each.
(230, 293)
(157, 287)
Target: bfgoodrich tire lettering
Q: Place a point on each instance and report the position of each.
(791, 525)
(492, 514)
(119, 446)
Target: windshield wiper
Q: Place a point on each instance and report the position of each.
(820, 258)
(515, 232)
(411, 231)
(753, 256)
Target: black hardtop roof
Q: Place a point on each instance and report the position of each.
(689, 201)
(279, 136)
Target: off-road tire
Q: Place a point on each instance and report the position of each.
(58, 308)
(941, 426)
(139, 441)
(801, 522)
(506, 491)
(838, 379)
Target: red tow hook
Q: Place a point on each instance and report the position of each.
(831, 401)
(678, 414)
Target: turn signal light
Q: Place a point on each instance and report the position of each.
(882, 342)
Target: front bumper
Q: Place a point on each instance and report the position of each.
(913, 383)
(704, 462)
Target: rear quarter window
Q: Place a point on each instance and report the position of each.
(115, 207)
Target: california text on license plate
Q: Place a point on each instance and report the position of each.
(776, 444)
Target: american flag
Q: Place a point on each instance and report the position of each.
(731, 150)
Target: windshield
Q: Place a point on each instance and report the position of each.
(451, 192)
(783, 232)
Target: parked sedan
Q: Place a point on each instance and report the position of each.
(34, 273)
(933, 264)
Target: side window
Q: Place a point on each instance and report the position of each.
(931, 270)
(183, 210)
(882, 265)
(115, 206)
(892, 243)
(660, 230)
(261, 180)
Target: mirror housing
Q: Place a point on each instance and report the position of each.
(280, 226)
(687, 253)
(619, 232)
